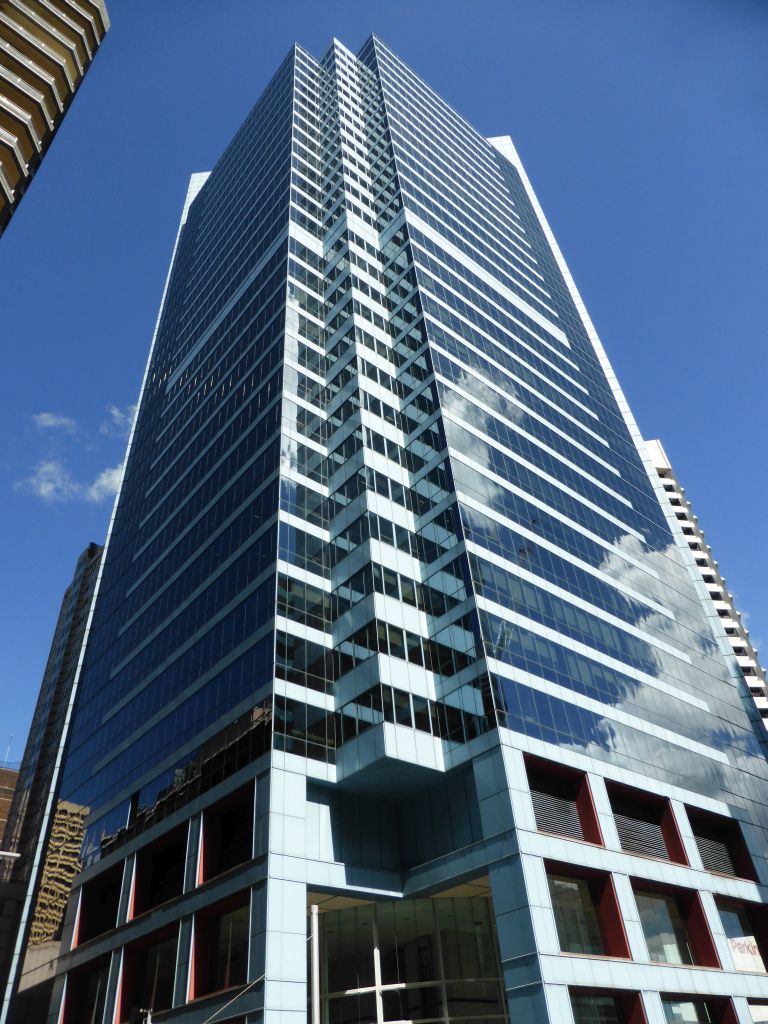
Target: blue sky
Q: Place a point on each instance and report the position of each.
(643, 130)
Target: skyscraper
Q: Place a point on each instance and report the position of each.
(399, 700)
(46, 47)
(27, 814)
(721, 598)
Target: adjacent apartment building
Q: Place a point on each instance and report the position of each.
(46, 47)
(721, 597)
(399, 700)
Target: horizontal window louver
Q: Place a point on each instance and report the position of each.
(715, 855)
(556, 814)
(641, 836)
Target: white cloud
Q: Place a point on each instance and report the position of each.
(105, 485)
(52, 482)
(460, 411)
(119, 421)
(52, 421)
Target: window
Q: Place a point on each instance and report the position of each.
(149, 973)
(689, 1009)
(665, 932)
(646, 824)
(674, 925)
(721, 844)
(438, 960)
(86, 994)
(593, 1006)
(562, 802)
(227, 834)
(586, 913)
(160, 871)
(98, 905)
(577, 926)
(745, 929)
(221, 946)
(685, 1010)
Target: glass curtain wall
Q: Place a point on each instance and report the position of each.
(417, 960)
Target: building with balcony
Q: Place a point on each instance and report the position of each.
(721, 597)
(46, 47)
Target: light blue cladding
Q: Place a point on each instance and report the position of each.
(393, 624)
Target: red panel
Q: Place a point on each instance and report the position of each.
(192, 978)
(672, 836)
(121, 988)
(609, 917)
(699, 936)
(727, 1013)
(201, 856)
(588, 814)
(631, 1008)
(132, 897)
(76, 929)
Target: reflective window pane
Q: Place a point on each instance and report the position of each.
(575, 915)
(664, 928)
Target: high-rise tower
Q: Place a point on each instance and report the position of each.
(46, 48)
(28, 811)
(393, 646)
(723, 604)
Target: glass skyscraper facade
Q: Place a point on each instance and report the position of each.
(399, 700)
(27, 811)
